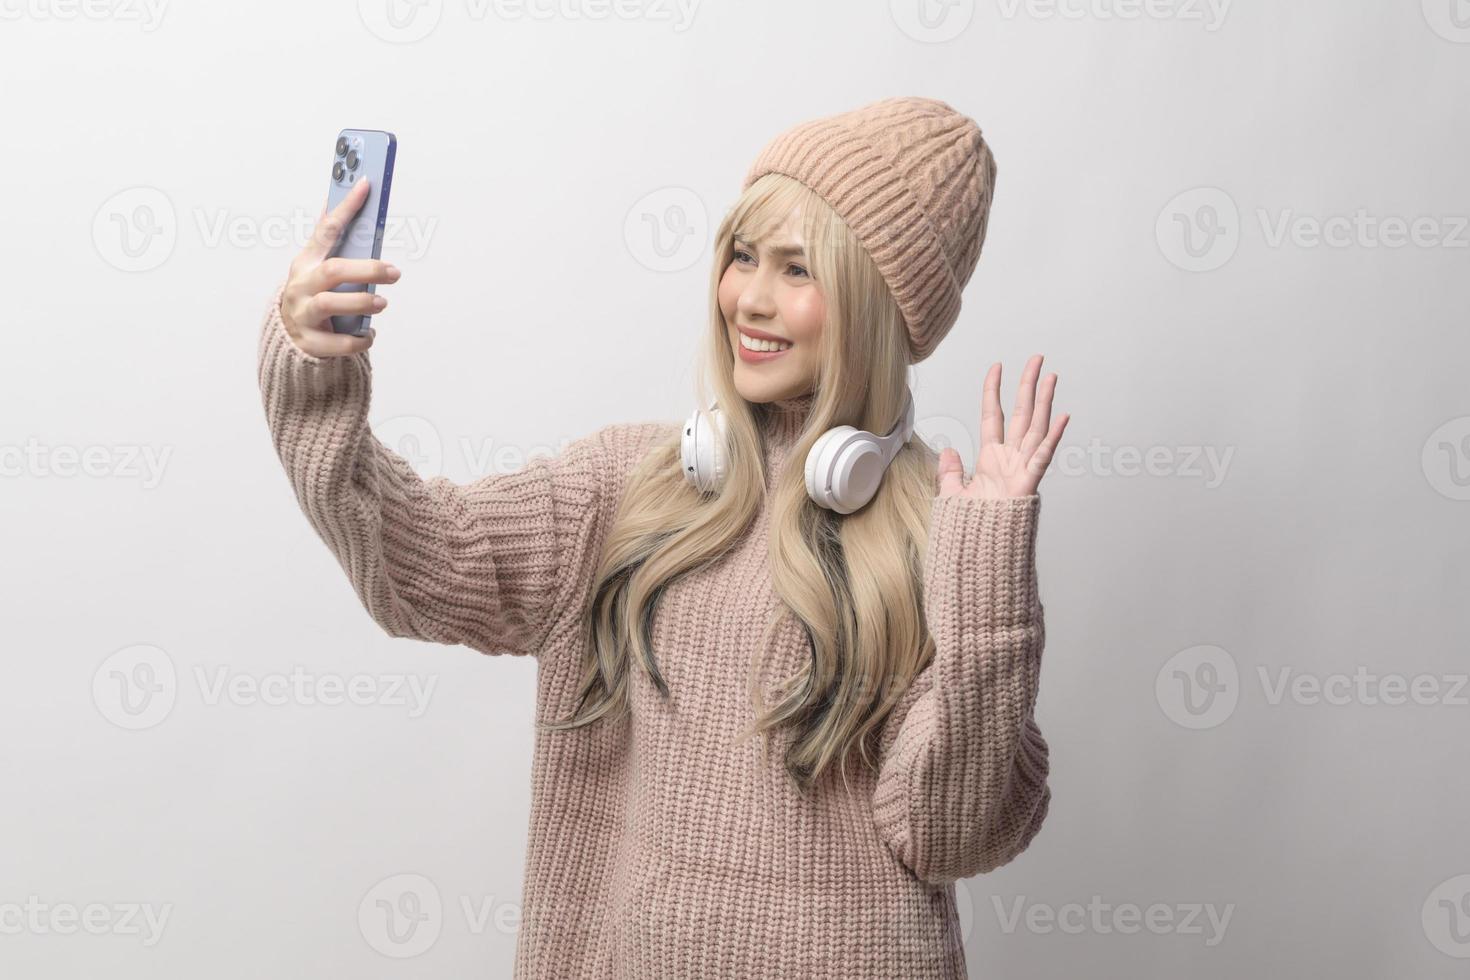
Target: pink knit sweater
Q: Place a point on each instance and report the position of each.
(659, 848)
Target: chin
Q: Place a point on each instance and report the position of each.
(748, 390)
(762, 392)
(753, 389)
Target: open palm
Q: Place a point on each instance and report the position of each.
(1011, 460)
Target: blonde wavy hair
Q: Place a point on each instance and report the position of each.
(853, 582)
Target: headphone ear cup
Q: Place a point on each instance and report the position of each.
(857, 472)
(813, 457)
(819, 464)
(717, 449)
(702, 448)
(688, 452)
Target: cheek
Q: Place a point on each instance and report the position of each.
(729, 293)
(804, 313)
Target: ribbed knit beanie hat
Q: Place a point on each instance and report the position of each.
(913, 179)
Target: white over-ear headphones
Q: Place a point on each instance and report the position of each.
(843, 468)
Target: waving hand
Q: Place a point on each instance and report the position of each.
(1011, 460)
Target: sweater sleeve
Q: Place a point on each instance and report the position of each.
(486, 564)
(962, 785)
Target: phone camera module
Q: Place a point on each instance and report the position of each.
(341, 145)
(337, 170)
(351, 159)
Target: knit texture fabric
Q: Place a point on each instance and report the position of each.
(913, 178)
(658, 847)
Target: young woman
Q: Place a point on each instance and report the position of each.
(776, 719)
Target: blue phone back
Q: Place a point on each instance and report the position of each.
(360, 153)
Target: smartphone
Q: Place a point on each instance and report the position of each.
(361, 153)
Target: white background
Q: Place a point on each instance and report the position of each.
(1162, 169)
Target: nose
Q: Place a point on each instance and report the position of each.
(755, 299)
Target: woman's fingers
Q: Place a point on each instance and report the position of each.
(319, 343)
(1025, 400)
(1041, 459)
(311, 298)
(1040, 416)
(329, 229)
(309, 317)
(951, 472)
(337, 271)
(329, 304)
(992, 422)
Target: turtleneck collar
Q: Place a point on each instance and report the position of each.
(784, 420)
(786, 417)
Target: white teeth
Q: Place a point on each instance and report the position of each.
(751, 343)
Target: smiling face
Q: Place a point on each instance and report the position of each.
(773, 311)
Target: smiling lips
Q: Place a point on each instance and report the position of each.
(757, 348)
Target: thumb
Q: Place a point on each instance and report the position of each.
(330, 226)
(951, 472)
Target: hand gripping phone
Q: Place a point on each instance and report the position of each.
(361, 153)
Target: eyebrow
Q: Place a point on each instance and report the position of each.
(780, 251)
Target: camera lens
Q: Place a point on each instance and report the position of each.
(351, 159)
(341, 145)
(337, 170)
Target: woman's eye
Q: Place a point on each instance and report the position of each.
(741, 255)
